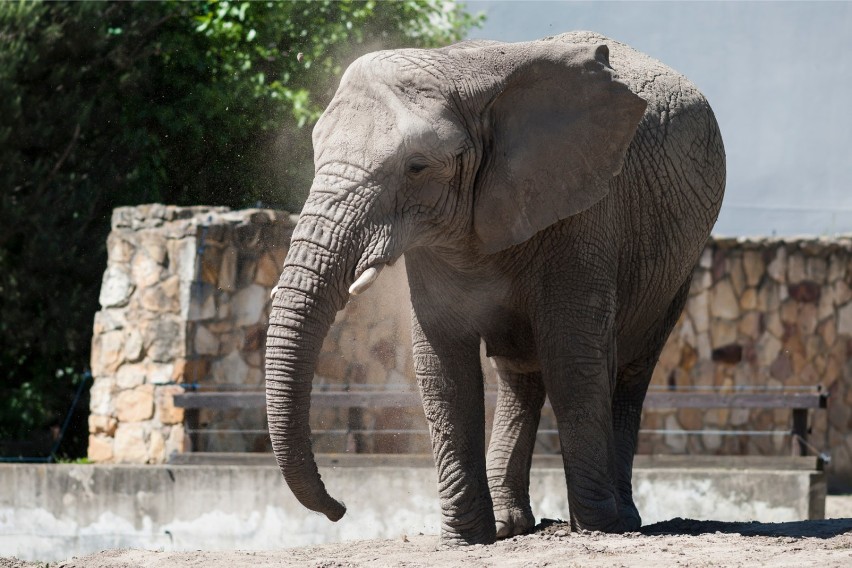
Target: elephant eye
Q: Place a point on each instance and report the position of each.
(416, 167)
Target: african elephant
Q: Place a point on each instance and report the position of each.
(545, 207)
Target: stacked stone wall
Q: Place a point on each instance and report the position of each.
(184, 306)
(765, 314)
(186, 302)
(139, 335)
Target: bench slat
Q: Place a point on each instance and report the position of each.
(734, 400)
(220, 400)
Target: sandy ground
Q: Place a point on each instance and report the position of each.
(678, 542)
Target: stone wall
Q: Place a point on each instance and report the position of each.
(185, 302)
(764, 313)
(185, 305)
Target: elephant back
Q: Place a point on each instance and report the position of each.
(649, 78)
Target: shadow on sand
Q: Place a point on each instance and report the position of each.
(827, 528)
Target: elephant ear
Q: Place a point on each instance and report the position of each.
(556, 132)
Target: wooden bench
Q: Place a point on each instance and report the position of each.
(799, 402)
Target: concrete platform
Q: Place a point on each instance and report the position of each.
(52, 512)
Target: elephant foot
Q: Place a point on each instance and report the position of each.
(603, 515)
(630, 517)
(467, 538)
(475, 526)
(513, 521)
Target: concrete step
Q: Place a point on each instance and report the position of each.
(60, 510)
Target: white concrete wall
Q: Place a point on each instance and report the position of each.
(53, 512)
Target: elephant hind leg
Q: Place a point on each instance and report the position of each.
(630, 389)
(578, 370)
(632, 384)
(520, 397)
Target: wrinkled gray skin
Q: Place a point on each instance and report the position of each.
(544, 207)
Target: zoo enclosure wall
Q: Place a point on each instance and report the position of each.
(185, 303)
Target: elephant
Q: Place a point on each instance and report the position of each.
(551, 199)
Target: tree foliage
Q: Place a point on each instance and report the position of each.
(110, 104)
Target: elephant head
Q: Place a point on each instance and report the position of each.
(471, 147)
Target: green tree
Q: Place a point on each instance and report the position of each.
(110, 104)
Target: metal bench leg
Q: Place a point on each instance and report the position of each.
(800, 432)
(191, 423)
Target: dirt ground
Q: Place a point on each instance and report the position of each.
(678, 542)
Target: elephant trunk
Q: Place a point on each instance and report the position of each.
(309, 293)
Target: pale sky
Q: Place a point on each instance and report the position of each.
(779, 78)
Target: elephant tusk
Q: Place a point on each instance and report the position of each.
(366, 279)
(272, 293)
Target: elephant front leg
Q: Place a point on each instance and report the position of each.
(451, 384)
(520, 397)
